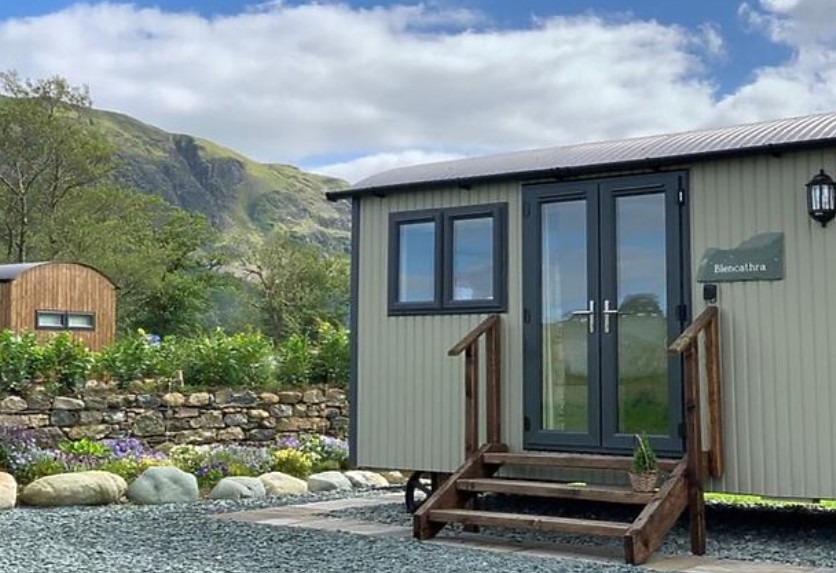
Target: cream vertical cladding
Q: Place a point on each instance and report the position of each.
(777, 364)
(410, 393)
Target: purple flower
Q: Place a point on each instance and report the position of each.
(289, 444)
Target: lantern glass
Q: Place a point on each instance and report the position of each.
(821, 198)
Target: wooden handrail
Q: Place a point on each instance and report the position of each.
(690, 334)
(473, 335)
(687, 345)
(489, 329)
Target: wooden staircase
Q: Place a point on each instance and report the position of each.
(681, 489)
(451, 503)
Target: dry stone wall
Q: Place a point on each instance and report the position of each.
(180, 417)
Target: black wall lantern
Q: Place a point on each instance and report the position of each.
(821, 198)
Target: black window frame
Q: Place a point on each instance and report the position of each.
(65, 320)
(443, 301)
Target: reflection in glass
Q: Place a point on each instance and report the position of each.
(565, 371)
(642, 321)
(416, 262)
(473, 259)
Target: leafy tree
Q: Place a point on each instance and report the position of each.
(48, 154)
(297, 284)
(158, 255)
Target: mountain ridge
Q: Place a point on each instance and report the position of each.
(236, 193)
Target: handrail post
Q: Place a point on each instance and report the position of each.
(715, 400)
(696, 501)
(494, 429)
(471, 392)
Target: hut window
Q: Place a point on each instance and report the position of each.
(49, 320)
(80, 321)
(448, 260)
(61, 320)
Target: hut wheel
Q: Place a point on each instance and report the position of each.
(419, 487)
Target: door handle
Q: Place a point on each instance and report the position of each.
(607, 312)
(590, 313)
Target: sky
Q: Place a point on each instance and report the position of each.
(355, 87)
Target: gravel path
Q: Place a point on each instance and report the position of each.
(185, 539)
(792, 535)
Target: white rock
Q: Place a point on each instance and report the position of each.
(279, 484)
(238, 488)
(8, 491)
(163, 484)
(328, 481)
(363, 478)
(81, 488)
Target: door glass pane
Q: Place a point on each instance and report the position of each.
(642, 318)
(416, 262)
(564, 274)
(473, 259)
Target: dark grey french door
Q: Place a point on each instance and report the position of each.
(604, 293)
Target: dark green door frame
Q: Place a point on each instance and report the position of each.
(600, 197)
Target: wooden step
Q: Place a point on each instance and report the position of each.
(612, 494)
(536, 522)
(564, 460)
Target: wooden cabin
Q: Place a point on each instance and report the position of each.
(525, 315)
(47, 298)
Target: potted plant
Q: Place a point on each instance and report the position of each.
(645, 471)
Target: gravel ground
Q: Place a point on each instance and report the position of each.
(184, 539)
(797, 535)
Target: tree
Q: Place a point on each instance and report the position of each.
(159, 256)
(48, 155)
(297, 284)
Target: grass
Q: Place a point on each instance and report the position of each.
(740, 499)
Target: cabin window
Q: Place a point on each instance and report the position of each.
(448, 261)
(62, 320)
(80, 321)
(50, 320)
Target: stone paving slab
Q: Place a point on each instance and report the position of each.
(314, 516)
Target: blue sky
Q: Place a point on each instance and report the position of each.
(354, 87)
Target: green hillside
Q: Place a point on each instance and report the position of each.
(234, 192)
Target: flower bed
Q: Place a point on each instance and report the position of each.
(26, 460)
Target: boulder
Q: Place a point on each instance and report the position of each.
(8, 491)
(394, 477)
(82, 488)
(366, 479)
(238, 488)
(279, 484)
(163, 484)
(328, 481)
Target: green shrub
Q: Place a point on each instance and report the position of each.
(644, 458)
(187, 458)
(129, 468)
(135, 357)
(295, 361)
(66, 362)
(41, 465)
(292, 462)
(331, 358)
(217, 359)
(21, 362)
(84, 447)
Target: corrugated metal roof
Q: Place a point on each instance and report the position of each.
(11, 272)
(655, 149)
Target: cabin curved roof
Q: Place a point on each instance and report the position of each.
(637, 152)
(12, 271)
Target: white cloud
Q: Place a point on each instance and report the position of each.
(289, 83)
(356, 169)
